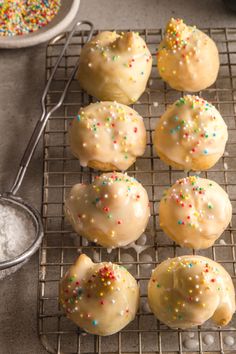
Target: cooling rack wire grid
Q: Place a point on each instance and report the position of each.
(60, 247)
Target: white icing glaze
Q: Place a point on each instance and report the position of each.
(126, 257)
(191, 134)
(147, 259)
(186, 291)
(222, 242)
(113, 211)
(194, 212)
(229, 340)
(108, 132)
(138, 248)
(187, 58)
(190, 344)
(115, 67)
(96, 256)
(84, 241)
(142, 240)
(208, 339)
(100, 298)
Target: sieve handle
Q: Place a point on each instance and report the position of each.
(41, 124)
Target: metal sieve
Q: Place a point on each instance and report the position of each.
(8, 200)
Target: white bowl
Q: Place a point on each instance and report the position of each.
(65, 16)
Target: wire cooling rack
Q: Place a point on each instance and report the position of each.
(61, 246)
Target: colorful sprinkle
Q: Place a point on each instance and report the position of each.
(20, 17)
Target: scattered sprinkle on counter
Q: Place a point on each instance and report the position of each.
(18, 17)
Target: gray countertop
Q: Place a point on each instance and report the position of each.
(22, 83)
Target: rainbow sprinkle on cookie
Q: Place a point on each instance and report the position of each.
(196, 130)
(105, 281)
(193, 217)
(177, 34)
(201, 282)
(107, 133)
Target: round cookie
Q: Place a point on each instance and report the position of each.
(107, 136)
(187, 59)
(113, 211)
(194, 212)
(186, 291)
(191, 134)
(115, 67)
(100, 298)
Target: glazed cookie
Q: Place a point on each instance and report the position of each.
(100, 298)
(107, 136)
(115, 67)
(187, 59)
(194, 212)
(191, 134)
(187, 291)
(113, 211)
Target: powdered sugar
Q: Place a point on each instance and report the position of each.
(17, 231)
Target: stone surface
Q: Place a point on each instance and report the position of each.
(22, 82)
